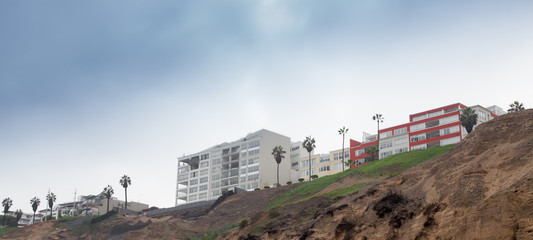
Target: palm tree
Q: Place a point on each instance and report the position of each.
(468, 118)
(378, 118)
(108, 192)
(309, 145)
(18, 214)
(278, 152)
(7, 203)
(125, 181)
(35, 202)
(51, 198)
(515, 107)
(343, 131)
(372, 150)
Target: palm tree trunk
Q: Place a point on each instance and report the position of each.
(107, 205)
(33, 217)
(378, 142)
(278, 175)
(343, 152)
(4, 220)
(126, 204)
(309, 166)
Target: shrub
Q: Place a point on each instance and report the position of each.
(243, 223)
(10, 221)
(267, 187)
(289, 182)
(277, 185)
(273, 214)
(257, 189)
(301, 179)
(314, 176)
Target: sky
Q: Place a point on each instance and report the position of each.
(93, 90)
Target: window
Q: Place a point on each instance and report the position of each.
(243, 147)
(194, 174)
(243, 154)
(204, 172)
(193, 182)
(433, 114)
(422, 146)
(253, 152)
(449, 130)
(400, 131)
(323, 169)
(417, 118)
(253, 177)
(253, 169)
(204, 156)
(359, 152)
(401, 141)
(204, 179)
(305, 163)
(193, 190)
(386, 144)
(401, 150)
(418, 137)
(253, 160)
(324, 158)
(234, 181)
(253, 185)
(243, 170)
(243, 179)
(215, 169)
(202, 195)
(385, 134)
(215, 185)
(295, 148)
(386, 154)
(337, 166)
(215, 177)
(192, 197)
(450, 141)
(203, 187)
(346, 154)
(449, 120)
(243, 163)
(183, 177)
(216, 154)
(253, 144)
(183, 169)
(215, 161)
(215, 193)
(418, 127)
(204, 164)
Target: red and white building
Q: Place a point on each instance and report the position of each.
(432, 128)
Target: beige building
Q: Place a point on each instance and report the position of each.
(323, 164)
(246, 163)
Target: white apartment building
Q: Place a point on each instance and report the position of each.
(246, 163)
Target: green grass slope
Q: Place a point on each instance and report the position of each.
(390, 166)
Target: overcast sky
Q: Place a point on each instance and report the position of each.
(93, 90)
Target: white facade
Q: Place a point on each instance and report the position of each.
(246, 163)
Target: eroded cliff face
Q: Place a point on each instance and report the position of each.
(480, 189)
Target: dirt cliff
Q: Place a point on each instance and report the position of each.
(481, 189)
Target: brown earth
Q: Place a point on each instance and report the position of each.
(480, 189)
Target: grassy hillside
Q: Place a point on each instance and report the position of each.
(390, 166)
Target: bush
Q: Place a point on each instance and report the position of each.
(289, 182)
(257, 189)
(273, 214)
(267, 187)
(243, 223)
(314, 176)
(301, 179)
(277, 185)
(10, 221)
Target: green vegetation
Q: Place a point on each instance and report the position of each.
(6, 230)
(401, 161)
(243, 223)
(389, 166)
(468, 118)
(515, 107)
(213, 234)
